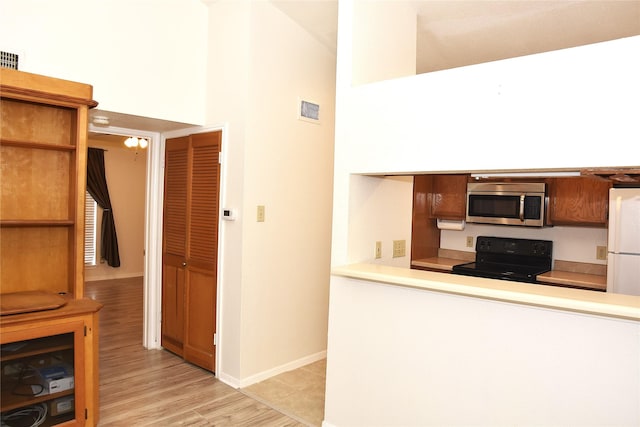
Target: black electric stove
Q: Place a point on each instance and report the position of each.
(519, 260)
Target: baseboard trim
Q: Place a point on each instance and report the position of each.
(261, 376)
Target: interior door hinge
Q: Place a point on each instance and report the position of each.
(215, 339)
(220, 158)
(86, 414)
(85, 331)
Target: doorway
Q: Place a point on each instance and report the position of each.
(126, 172)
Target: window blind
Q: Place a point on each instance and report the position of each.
(90, 213)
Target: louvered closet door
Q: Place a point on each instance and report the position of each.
(174, 244)
(192, 175)
(202, 249)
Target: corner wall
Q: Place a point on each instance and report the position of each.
(275, 274)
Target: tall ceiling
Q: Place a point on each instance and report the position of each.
(454, 33)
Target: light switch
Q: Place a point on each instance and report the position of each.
(260, 213)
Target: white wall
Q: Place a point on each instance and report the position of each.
(275, 273)
(385, 34)
(572, 108)
(143, 57)
(408, 357)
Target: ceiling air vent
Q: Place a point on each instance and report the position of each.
(8, 60)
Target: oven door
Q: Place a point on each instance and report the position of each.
(506, 206)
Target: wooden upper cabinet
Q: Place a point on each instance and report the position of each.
(579, 201)
(449, 197)
(425, 237)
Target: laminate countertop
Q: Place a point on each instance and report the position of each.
(554, 277)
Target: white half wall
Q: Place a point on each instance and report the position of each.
(409, 357)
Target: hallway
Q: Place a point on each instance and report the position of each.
(141, 387)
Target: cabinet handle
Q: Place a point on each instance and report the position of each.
(522, 207)
(184, 264)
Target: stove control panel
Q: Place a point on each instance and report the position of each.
(509, 246)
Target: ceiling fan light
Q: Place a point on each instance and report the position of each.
(143, 143)
(131, 142)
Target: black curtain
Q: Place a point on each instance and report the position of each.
(97, 187)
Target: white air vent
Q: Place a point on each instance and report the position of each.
(309, 111)
(8, 60)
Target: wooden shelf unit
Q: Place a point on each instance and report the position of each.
(43, 140)
(43, 161)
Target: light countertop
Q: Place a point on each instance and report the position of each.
(571, 278)
(562, 298)
(553, 277)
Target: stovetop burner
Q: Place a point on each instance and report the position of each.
(508, 259)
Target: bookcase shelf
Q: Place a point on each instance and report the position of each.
(43, 147)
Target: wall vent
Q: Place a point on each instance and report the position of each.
(8, 60)
(309, 111)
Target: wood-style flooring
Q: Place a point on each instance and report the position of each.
(140, 387)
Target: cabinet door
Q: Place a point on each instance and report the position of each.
(425, 236)
(43, 370)
(579, 201)
(449, 197)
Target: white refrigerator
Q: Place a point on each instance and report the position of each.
(623, 261)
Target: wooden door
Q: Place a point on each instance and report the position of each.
(174, 243)
(192, 187)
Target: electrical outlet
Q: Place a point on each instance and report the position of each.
(469, 241)
(378, 249)
(601, 252)
(399, 248)
(260, 213)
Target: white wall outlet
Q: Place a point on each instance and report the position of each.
(399, 248)
(378, 253)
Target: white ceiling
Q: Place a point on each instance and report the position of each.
(453, 33)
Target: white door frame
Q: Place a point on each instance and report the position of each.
(153, 216)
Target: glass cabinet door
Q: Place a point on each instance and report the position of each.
(42, 376)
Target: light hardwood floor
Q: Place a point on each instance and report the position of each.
(140, 387)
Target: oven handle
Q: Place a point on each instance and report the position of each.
(522, 207)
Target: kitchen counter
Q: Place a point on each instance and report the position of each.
(570, 278)
(595, 282)
(437, 263)
(562, 298)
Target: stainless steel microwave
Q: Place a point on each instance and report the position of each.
(506, 203)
